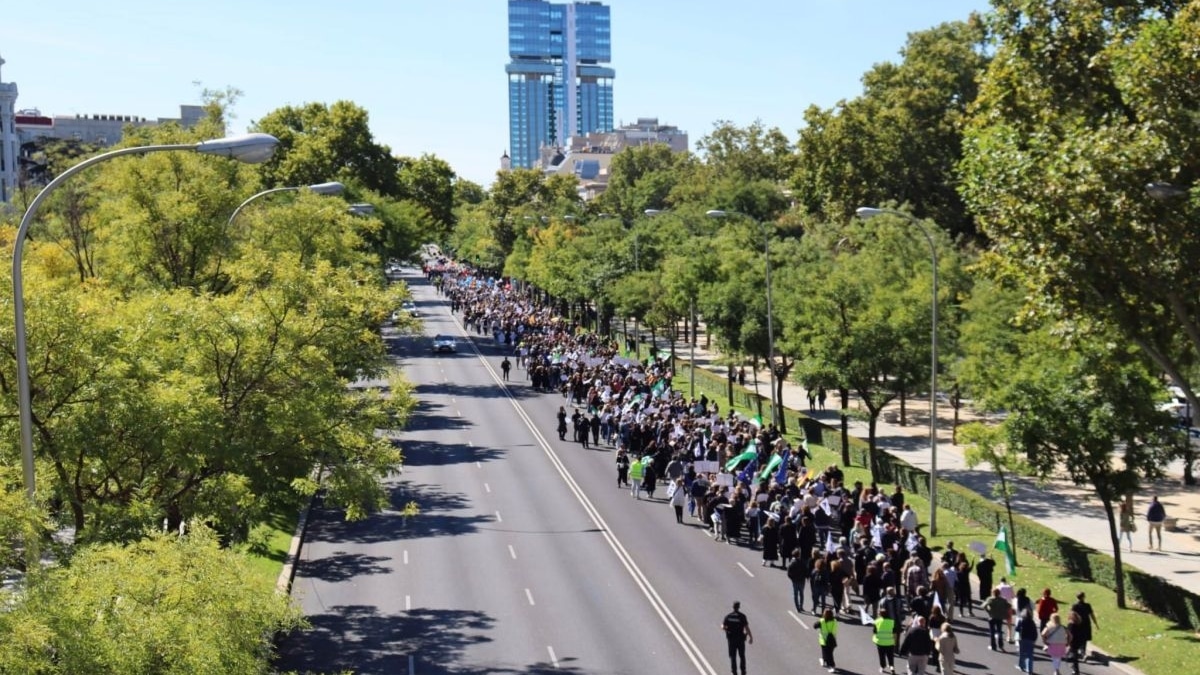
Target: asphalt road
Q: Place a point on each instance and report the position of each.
(526, 558)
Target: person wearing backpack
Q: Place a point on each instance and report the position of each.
(1054, 636)
(827, 628)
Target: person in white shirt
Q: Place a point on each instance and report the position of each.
(908, 519)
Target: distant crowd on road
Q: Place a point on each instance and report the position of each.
(745, 484)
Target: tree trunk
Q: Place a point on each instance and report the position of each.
(872, 462)
(757, 396)
(845, 395)
(1115, 538)
(1012, 533)
(779, 400)
(732, 376)
(903, 406)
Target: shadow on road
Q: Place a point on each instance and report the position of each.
(435, 519)
(429, 416)
(422, 453)
(519, 390)
(342, 566)
(359, 639)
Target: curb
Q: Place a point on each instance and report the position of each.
(283, 585)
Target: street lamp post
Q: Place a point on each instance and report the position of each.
(249, 148)
(869, 212)
(717, 213)
(333, 188)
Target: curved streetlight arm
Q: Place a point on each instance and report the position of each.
(333, 188)
(869, 212)
(253, 197)
(251, 148)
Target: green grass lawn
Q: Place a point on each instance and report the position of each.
(274, 538)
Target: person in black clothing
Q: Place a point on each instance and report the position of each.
(1087, 621)
(505, 366)
(984, 569)
(622, 468)
(562, 423)
(737, 633)
(798, 571)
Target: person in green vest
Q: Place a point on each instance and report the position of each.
(826, 628)
(885, 640)
(637, 471)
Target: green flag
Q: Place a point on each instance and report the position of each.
(658, 388)
(1002, 544)
(772, 465)
(748, 454)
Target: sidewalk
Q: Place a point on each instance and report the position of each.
(1059, 505)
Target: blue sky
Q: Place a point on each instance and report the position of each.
(431, 72)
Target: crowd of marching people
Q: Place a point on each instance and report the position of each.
(850, 552)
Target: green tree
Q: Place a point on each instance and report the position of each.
(161, 605)
(749, 153)
(643, 177)
(901, 140)
(430, 182)
(1075, 406)
(1083, 104)
(203, 373)
(320, 142)
(857, 305)
(986, 444)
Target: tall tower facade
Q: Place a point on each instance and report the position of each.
(557, 87)
(8, 139)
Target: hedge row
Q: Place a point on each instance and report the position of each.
(1153, 593)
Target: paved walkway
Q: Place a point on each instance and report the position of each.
(1059, 505)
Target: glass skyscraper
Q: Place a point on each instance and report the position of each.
(556, 85)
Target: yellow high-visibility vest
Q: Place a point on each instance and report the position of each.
(885, 635)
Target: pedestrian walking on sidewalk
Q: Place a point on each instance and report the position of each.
(737, 633)
(622, 468)
(1128, 526)
(1155, 515)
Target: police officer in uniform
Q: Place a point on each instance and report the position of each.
(737, 632)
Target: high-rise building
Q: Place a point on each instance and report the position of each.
(557, 87)
(8, 139)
